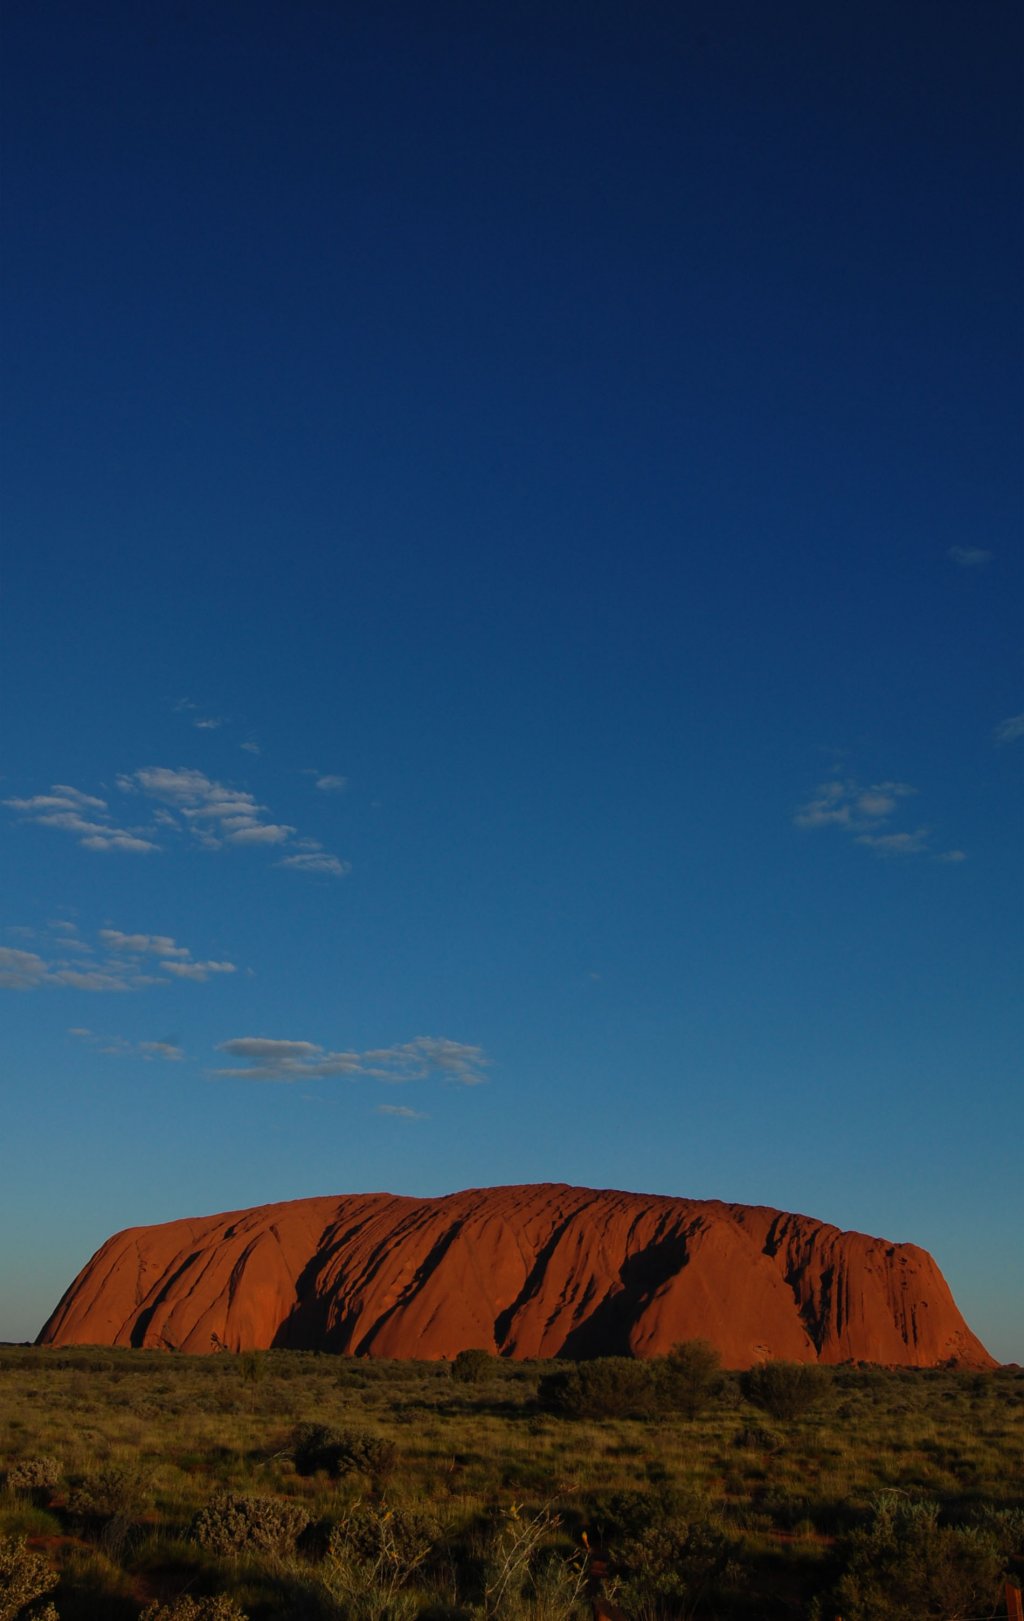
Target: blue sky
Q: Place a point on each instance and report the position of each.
(511, 615)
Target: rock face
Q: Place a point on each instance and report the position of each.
(526, 1272)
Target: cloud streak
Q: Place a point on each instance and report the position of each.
(118, 1047)
(969, 556)
(121, 962)
(265, 1059)
(1009, 731)
(865, 815)
(84, 816)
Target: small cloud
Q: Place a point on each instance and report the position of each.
(118, 968)
(968, 556)
(199, 971)
(86, 818)
(272, 1060)
(400, 1112)
(331, 784)
(119, 1047)
(209, 723)
(844, 803)
(63, 925)
(896, 844)
(20, 970)
(250, 748)
(316, 861)
(952, 855)
(1008, 731)
(217, 815)
(415, 1060)
(154, 945)
(865, 814)
(259, 833)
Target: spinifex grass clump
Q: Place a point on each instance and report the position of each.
(25, 1579)
(233, 1524)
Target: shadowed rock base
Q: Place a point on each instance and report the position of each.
(539, 1271)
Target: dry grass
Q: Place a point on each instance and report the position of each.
(170, 1433)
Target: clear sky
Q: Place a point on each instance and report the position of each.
(511, 611)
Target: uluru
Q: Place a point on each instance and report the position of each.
(534, 1271)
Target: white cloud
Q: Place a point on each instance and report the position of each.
(218, 815)
(1008, 731)
(117, 966)
(415, 1060)
(316, 861)
(260, 833)
(86, 818)
(20, 970)
(209, 724)
(897, 844)
(120, 1047)
(968, 556)
(840, 803)
(250, 748)
(952, 855)
(865, 815)
(154, 945)
(271, 1060)
(332, 784)
(400, 1112)
(197, 970)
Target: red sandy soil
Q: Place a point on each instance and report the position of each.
(539, 1271)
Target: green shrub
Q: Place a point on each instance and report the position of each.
(470, 1366)
(609, 1387)
(236, 1524)
(689, 1378)
(906, 1565)
(372, 1555)
(784, 1389)
(25, 1578)
(316, 1447)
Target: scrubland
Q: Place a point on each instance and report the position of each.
(292, 1486)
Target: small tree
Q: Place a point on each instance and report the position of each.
(471, 1366)
(784, 1389)
(688, 1378)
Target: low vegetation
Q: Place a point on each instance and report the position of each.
(300, 1487)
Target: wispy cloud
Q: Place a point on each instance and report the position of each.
(153, 945)
(332, 784)
(400, 1112)
(117, 962)
(846, 804)
(118, 1047)
(865, 814)
(265, 1059)
(968, 556)
(316, 861)
(216, 815)
(84, 816)
(897, 844)
(1008, 731)
(197, 970)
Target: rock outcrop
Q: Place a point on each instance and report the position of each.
(539, 1271)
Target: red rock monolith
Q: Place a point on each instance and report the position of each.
(540, 1271)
